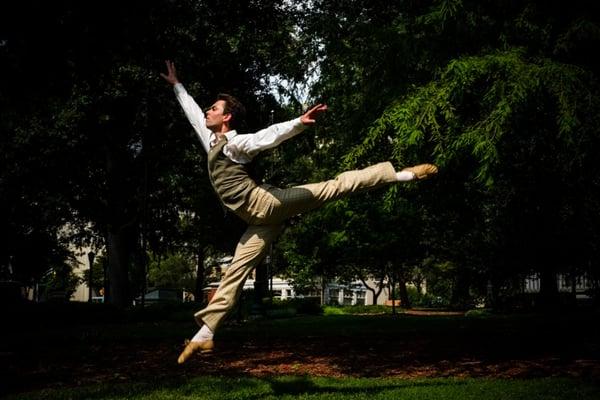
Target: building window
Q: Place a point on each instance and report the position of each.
(360, 297)
(348, 297)
(334, 297)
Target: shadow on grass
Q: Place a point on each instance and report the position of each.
(288, 387)
(238, 387)
(305, 385)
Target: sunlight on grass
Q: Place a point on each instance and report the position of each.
(305, 387)
(349, 310)
(327, 310)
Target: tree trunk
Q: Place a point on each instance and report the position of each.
(404, 300)
(119, 253)
(323, 288)
(391, 284)
(376, 293)
(548, 289)
(122, 209)
(418, 281)
(460, 292)
(261, 289)
(200, 276)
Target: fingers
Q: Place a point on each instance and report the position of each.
(309, 117)
(314, 109)
(310, 114)
(171, 75)
(170, 67)
(318, 108)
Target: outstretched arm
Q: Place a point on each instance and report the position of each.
(191, 109)
(244, 147)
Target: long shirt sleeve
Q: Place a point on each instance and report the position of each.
(194, 114)
(243, 148)
(240, 148)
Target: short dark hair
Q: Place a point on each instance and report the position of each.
(234, 107)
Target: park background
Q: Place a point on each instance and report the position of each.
(97, 156)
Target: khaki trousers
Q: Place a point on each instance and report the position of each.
(268, 207)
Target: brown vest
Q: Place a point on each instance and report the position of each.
(229, 179)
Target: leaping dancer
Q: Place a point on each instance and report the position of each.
(263, 207)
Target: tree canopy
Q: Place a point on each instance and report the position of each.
(502, 95)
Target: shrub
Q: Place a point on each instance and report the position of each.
(302, 305)
(426, 300)
(357, 309)
(478, 312)
(333, 310)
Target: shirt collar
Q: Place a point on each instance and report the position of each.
(229, 135)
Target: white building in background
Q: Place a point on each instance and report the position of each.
(564, 283)
(355, 293)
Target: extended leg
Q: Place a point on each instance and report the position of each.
(272, 205)
(299, 199)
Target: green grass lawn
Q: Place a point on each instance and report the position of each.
(305, 387)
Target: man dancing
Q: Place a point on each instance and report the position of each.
(263, 207)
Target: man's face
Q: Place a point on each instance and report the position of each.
(215, 116)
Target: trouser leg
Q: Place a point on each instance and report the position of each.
(267, 208)
(249, 252)
(271, 205)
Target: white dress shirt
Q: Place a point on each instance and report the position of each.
(239, 148)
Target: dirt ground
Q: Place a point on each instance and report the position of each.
(443, 355)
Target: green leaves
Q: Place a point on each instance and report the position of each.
(502, 96)
(472, 105)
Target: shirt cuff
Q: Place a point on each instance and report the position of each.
(178, 88)
(298, 124)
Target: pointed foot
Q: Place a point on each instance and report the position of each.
(205, 346)
(423, 171)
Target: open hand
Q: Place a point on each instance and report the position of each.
(171, 77)
(309, 117)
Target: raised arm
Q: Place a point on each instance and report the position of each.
(192, 111)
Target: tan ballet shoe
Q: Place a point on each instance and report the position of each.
(423, 171)
(205, 346)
